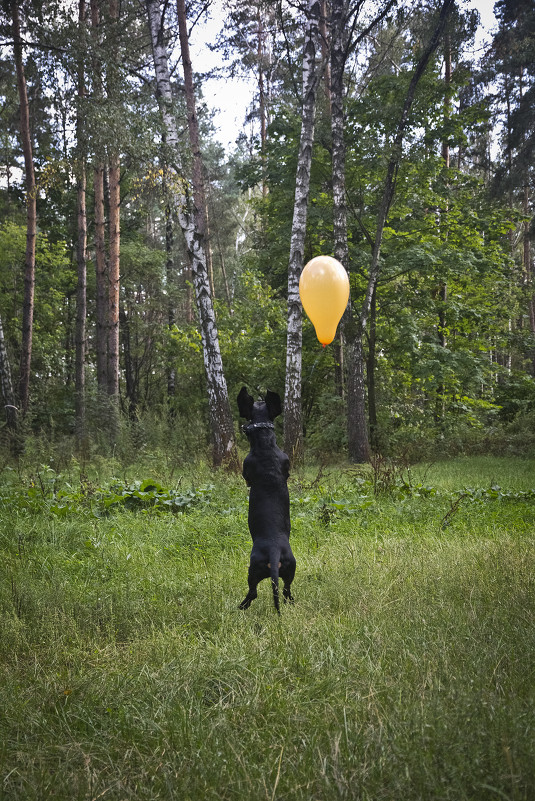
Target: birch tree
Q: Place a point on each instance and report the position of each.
(222, 427)
(293, 426)
(6, 384)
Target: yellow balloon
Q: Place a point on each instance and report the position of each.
(324, 291)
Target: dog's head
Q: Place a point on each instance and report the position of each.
(262, 411)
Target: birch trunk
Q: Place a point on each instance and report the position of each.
(222, 426)
(131, 394)
(357, 430)
(31, 216)
(336, 104)
(6, 383)
(293, 424)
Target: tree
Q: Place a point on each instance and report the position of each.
(6, 383)
(114, 234)
(293, 427)
(99, 223)
(513, 55)
(342, 42)
(81, 246)
(31, 216)
(357, 435)
(222, 426)
(250, 33)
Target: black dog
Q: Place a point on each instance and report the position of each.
(266, 469)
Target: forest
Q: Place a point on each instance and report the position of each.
(147, 273)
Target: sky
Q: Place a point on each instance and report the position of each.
(229, 99)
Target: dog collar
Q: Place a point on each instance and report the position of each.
(252, 426)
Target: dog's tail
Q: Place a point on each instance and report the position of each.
(274, 565)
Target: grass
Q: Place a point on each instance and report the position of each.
(405, 670)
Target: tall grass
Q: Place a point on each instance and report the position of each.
(405, 669)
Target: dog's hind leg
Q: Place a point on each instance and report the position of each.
(287, 574)
(287, 594)
(274, 566)
(275, 587)
(251, 595)
(254, 577)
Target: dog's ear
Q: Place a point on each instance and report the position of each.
(273, 403)
(245, 403)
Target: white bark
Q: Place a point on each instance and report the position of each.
(338, 47)
(293, 428)
(220, 415)
(6, 384)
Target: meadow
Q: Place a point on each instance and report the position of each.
(405, 669)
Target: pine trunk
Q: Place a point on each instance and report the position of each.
(31, 217)
(526, 258)
(443, 289)
(101, 273)
(371, 362)
(113, 278)
(81, 256)
(81, 306)
(114, 242)
(293, 425)
(222, 425)
(101, 276)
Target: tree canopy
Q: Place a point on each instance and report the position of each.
(155, 302)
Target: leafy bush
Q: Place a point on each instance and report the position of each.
(49, 490)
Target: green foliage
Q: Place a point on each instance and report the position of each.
(55, 281)
(48, 491)
(453, 353)
(253, 336)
